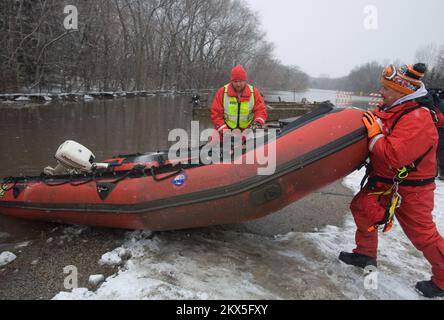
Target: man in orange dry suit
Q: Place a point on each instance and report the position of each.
(403, 143)
(238, 105)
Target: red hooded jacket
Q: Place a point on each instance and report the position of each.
(413, 135)
(217, 108)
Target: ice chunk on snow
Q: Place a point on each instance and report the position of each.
(110, 258)
(95, 280)
(114, 257)
(6, 258)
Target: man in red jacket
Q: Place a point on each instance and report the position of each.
(403, 143)
(238, 105)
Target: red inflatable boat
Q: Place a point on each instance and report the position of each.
(148, 191)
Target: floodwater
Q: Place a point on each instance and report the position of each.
(30, 135)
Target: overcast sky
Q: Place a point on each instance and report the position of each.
(329, 37)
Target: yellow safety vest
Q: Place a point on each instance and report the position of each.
(238, 115)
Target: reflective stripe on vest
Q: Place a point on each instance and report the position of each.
(232, 112)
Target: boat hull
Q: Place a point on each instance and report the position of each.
(308, 157)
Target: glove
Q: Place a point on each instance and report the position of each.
(256, 125)
(370, 122)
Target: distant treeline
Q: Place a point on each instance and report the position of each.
(135, 45)
(366, 78)
(361, 79)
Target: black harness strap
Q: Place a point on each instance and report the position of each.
(418, 161)
(368, 169)
(407, 183)
(408, 169)
(402, 115)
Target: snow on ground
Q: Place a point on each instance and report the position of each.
(400, 264)
(233, 265)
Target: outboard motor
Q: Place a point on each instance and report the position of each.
(73, 158)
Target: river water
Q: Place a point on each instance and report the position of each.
(30, 135)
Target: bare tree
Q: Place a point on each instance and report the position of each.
(134, 45)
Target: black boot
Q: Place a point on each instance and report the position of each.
(429, 289)
(357, 260)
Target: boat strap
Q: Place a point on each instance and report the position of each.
(104, 189)
(154, 174)
(17, 190)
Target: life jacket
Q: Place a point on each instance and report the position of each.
(238, 114)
